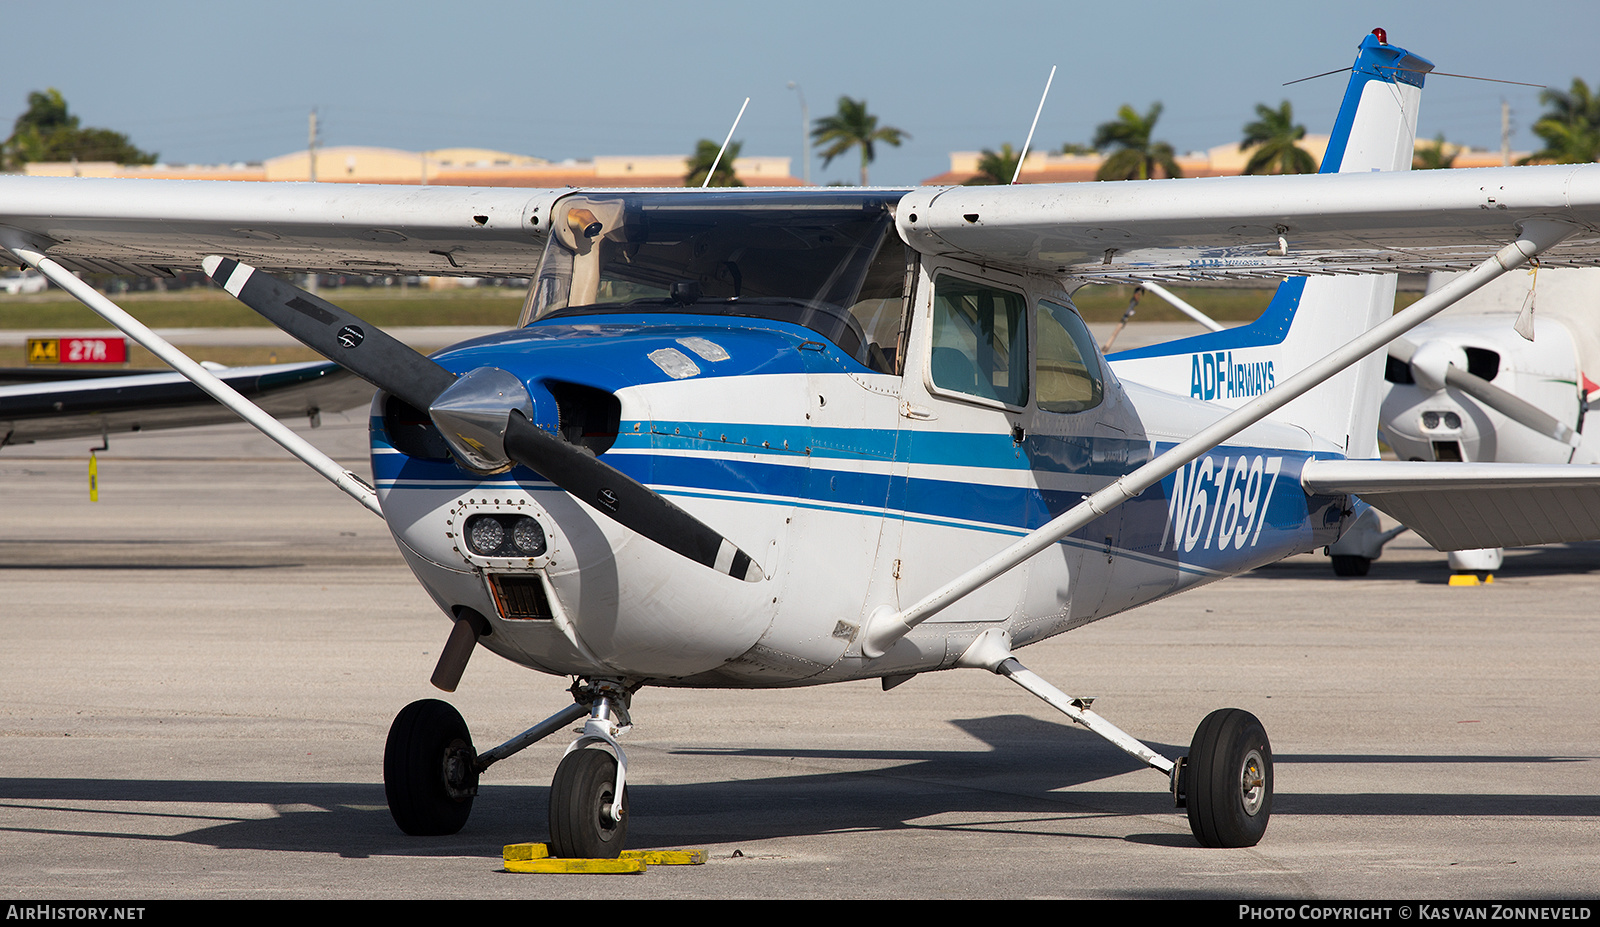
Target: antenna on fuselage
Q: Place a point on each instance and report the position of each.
(731, 129)
(1024, 156)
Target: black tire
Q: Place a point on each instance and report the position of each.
(1345, 565)
(580, 795)
(428, 774)
(1228, 773)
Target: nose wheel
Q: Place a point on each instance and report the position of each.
(586, 820)
(1228, 780)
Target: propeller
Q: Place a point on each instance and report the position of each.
(1503, 401)
(485, 415)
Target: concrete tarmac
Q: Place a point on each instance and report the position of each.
(198, 672)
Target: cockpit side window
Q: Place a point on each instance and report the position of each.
(1068, 376)
(880, 306)
(980, 340)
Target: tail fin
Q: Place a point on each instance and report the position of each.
(1376, 131)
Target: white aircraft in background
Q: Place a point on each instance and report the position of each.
(779, 438)
(17, 282)
(1467, 386)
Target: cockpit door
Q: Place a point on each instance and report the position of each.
(964, 488)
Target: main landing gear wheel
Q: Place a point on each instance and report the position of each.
(429, 774)
(581, 826)
(1228, 775)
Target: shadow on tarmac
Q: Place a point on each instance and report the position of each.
(1432, 569)
(1037, 778)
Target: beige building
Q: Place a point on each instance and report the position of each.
(443, 167)
(487, 168)
(1220, 161)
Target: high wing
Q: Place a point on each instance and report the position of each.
(1208, 228)
(48, 409)
(1203, 228)
(155, 228)
(1463, 506)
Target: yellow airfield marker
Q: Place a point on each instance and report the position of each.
(668, 857)
(522, 851)
(535, 857)
(577, 866)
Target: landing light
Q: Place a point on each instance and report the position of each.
(528, 537)
(505, 536)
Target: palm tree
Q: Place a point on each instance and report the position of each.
(995, 167)
(1136, 157)
(1274, 137)
(705, 154)
(1570, 129)
(1432, 157)
(851, 127)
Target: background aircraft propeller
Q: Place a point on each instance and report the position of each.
(484, 415)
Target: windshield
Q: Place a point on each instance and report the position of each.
(827, 260)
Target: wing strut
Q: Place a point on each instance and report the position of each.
(886, 626)
(201, 377)
(1178, 303)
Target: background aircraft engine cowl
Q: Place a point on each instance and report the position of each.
(1424, 425)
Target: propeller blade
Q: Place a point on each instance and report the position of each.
(1504, 401)
(365, 350)
(472, 413)
(1511, 405)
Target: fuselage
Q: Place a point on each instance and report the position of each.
(852, 488)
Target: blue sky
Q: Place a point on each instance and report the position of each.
(215, 82)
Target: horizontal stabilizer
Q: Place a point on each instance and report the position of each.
(1463, 506)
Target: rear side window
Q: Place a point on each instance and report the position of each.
(1068, 374)
(980, 341)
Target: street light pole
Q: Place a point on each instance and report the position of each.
(805, 133)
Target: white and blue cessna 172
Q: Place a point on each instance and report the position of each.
(772, 438)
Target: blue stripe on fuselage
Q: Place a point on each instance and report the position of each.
(1250, 495)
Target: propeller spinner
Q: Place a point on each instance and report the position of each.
(485, 415)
